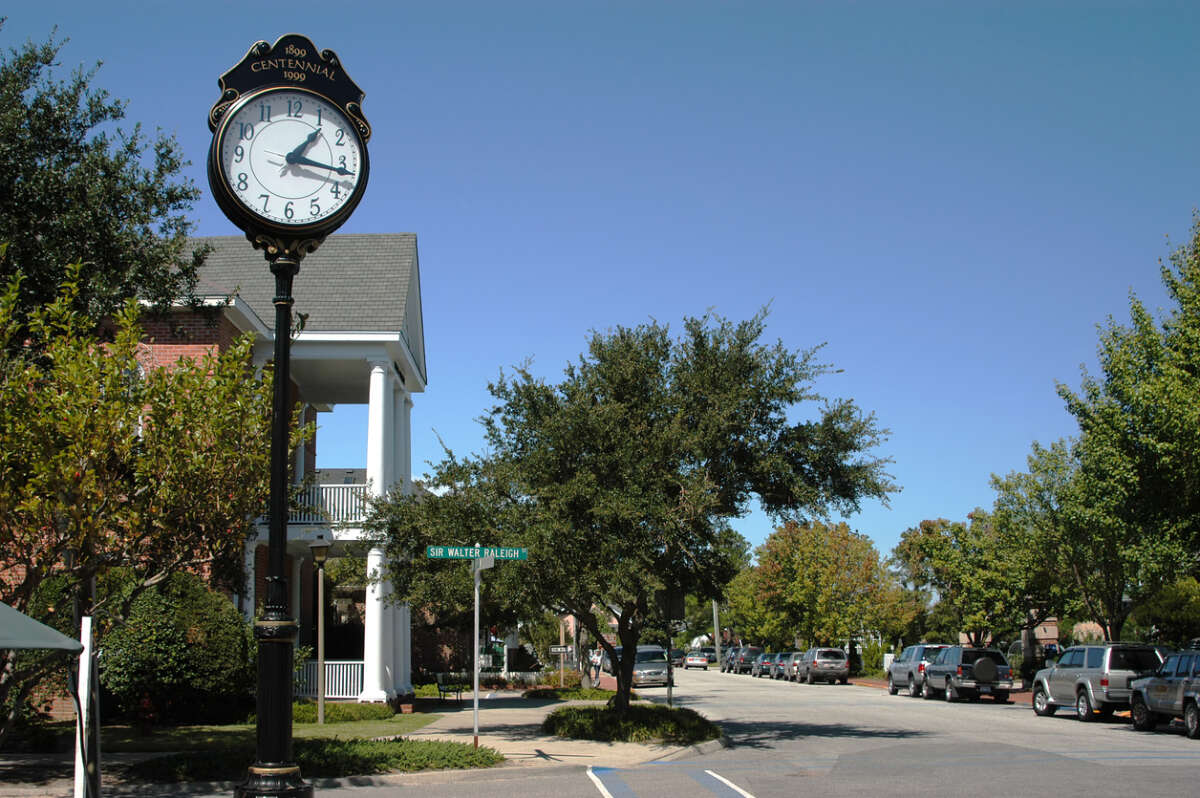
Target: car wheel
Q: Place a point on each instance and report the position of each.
(1143, 718)
(1191, 720)
(892, 689)
(950, 694)
(927, 690)
(914, 687)
(844, 680)
(1083, 707)
(1041, 702)
(706, 669)
(808, 677)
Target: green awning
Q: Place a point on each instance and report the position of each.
(18, 630)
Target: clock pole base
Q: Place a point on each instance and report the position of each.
(273, 782)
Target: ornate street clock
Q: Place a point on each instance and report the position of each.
(288, 165)
(288, 162)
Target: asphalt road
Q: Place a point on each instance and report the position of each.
(834, 740)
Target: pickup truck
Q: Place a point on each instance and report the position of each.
(968, 672)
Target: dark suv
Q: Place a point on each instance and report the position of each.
(907, 671)
(967, 672)
(745, 658)
(1094, 679)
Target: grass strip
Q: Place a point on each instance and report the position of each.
(319, 758)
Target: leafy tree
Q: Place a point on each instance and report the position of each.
(1173, 613)
(755, 617)
(104, 464)
(621, 479)
(825, 581)
(75, 188)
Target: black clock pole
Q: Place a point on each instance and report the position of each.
(274, 772)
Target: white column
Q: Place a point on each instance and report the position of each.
(246, 600)
(378, 428)
(375, 685)
(405, 425)
(402, 647)
(396, 441)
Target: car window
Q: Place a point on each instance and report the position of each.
(830, 653)
(931, 652)
(1072, 658)
(906, 653)
(651, 656)
(1095, 658)
(1133, 659)
(942, 656)
(1185, 665)
(1168, 667)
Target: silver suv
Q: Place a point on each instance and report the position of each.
(1172, 692)
(907, 671)
(1094, 679)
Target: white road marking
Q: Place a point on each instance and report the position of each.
(599, 784)
(729, 784)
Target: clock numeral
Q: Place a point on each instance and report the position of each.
(342, 161)
(247, 130)
(242, 181)
(294, 107)
(265, 198)
(264, 112)
(313, 208)
(340, 136)
(335, 190)
(287, 211)
(239, 153)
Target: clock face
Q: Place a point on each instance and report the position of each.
(290, 157)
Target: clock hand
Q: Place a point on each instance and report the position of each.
(292, 159)
(304, 145)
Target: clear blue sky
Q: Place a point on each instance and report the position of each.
(950, 195)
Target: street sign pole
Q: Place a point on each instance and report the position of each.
(478, 565)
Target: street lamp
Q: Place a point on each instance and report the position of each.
(320, 549)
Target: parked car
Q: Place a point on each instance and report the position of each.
(968, 672)
(650, 667)
(777, 664)
(677, 655)
(762, 665)
(695, 659)
(710, 652)
(1095, 679)
(824, 664)
(1172, 692)
(790, 664)
(907, 671)
(746, 656)
(729, 659)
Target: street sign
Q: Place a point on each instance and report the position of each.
(475, 552)
(560, 649)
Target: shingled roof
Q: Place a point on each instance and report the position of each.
(353, 283)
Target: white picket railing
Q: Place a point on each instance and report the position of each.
(335, 504)
(343, 679)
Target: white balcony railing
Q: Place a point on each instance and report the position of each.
(343, 679)
(334, 504)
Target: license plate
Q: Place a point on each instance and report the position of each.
(985, 689)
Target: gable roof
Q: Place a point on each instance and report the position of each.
(365, 283)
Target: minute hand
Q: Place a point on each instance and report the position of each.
(293, 158)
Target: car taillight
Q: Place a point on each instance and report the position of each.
(921, 668)
(1104, 681)
(960, 670)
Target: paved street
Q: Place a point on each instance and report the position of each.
(819, 740)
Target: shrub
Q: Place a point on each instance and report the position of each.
(306, 712)
(641, 723)
(185, 654)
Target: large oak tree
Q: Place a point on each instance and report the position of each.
(621, 478)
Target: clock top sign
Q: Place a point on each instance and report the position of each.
(292, 61)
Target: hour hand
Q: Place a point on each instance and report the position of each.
(300, 160)
(304, 145)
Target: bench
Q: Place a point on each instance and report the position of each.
(446, 686)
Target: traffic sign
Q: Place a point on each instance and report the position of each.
(560, 649)
(475, 552)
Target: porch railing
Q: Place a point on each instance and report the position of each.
(343, 679)
(335, 504)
